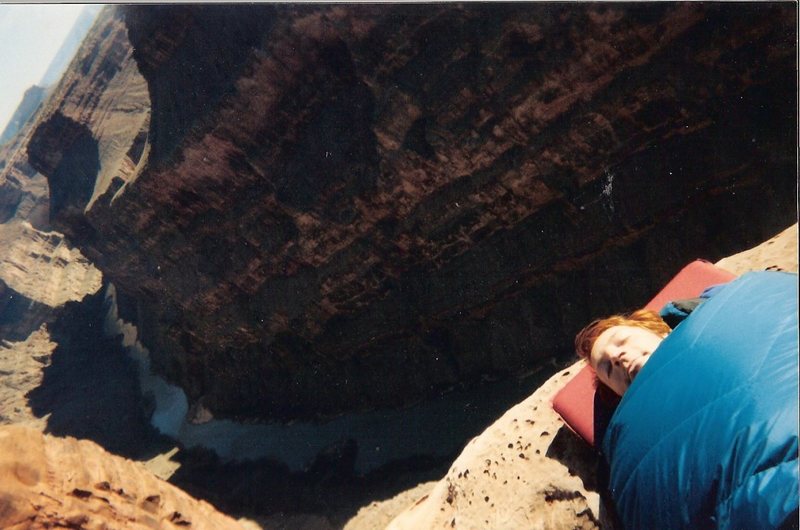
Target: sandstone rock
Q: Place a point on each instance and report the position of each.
(316, 209)
(525, 471)
(779, 252)
(43, 267)
(21, 365)
(53, 482)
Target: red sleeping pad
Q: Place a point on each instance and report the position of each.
(583, 408)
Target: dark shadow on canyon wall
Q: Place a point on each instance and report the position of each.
(19, 315)
(10, 198)
(329, 487)
(68, 154)
(683, 150)
(176, 111)
(91, 387)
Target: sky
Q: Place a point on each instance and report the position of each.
(30, 36)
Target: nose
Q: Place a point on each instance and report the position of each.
(620, 357)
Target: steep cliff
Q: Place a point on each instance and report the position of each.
(314, 209)
(91, 134)
(23, 191)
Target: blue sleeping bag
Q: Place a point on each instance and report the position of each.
(707, 434)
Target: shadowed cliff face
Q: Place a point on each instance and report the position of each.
(66, 152)
(340, 207)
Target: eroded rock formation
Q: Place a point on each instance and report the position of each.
(338, 207)
(92, 133)
(525, 471)
(67, 483)
(23, 191)
(35, 261)
(43, 267)
(39, 271)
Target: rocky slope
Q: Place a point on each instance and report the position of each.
(24, 192)
(91, 134)
(43, 267)
(315, 209)
(67, 483)
(36, 264)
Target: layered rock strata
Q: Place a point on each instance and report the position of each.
(39, 272)
(35, 261)
(340, 207)
(43, 267)
(92, 132)
(23, 191)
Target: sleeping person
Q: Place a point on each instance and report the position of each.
(706, 432)
(617, 347)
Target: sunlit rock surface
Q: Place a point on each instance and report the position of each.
(40, 272)
(314, 209)
(43, 267)
(22, 363)
(524, 471)
(50, 482)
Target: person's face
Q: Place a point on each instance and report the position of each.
(619, 353)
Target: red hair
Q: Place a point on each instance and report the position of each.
(643, 318)
(584, 340)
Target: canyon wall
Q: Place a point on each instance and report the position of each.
(309, 209)
(23, 191)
